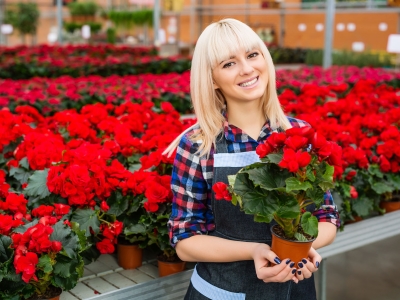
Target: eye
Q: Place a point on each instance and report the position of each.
(254, 54)
(227, 65)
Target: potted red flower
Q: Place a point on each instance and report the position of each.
(40, 252)
(296, 168)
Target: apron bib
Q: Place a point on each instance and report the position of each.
(238, 280)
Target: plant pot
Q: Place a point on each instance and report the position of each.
(168, 268)
(53, 293)
(129, 256)
(356, 219)
(294, 250)
(390, 206)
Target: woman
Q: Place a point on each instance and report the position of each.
(235, 101)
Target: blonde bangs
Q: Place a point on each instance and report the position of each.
(226, 40)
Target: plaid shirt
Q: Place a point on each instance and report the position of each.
(192, 178)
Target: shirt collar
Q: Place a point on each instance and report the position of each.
(235, 134)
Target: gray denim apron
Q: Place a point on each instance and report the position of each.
(238, 280)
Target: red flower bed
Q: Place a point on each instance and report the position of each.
(104, 60)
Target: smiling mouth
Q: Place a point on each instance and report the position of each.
(248, 83)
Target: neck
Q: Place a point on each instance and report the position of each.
(246, 114)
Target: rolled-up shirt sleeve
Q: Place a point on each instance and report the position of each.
(328, 212)
(190, 209)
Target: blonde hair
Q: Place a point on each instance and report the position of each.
(218, 42)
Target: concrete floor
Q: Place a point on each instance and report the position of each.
(371, 272)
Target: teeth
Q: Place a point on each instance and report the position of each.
(249, 82)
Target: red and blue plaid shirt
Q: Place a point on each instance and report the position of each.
(192, 178)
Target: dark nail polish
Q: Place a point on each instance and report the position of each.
(277, 260)
(292, 265)
(300, 265)
(317, 264)
(293, 271)
(288, 261)
(304, 261)
(299, 272)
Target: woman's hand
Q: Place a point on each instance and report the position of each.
(282, 271)
(306, 267)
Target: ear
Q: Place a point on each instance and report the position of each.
(216, 87)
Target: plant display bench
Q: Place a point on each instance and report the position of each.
(173, 287)
(357, 235)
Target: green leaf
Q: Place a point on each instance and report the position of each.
(231, 179)
(64, 266)
(268, 178)
(23, 163)
(90, 254)
(70, 242)
(262, 219)
(5, 251)
(45, 264)
(118, 204)
(328, 175)
(288, 207)
(381, 188)
(260, 203)
(300, 237)
(37, 184)
(316, 195)
(310, 174)
(326, 185)
(83, 242)
(275, 158)
(20, 174)
(362, 206)
(394, 179)
(293, 184)
(87, 218)
(375, 170)
(135, 229)
(309, 223)
(243, 184)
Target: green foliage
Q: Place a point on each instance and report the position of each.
(129, 19)
(72, 26)
(87, 220)
(82, 8)
(24, 17)
(349, 58)
(37, 184)
(111, 35)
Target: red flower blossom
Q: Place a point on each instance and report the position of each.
(353, 192)
(105, 246)
(27, 266)
(221, 191)
(294, 160)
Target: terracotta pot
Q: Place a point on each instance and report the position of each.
(295, 250)
(390, 206)
(168, 268)
(356, 219)
(54, 290)
(129, 256)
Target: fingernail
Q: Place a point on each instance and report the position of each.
(304, 261)
(277, 260)
(292, 264)
(317, 264)
(300, 265)
(293, 271)
(288, 261)
(299, 272)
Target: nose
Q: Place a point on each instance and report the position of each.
(247, 68)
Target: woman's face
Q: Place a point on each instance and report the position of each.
(242, 78)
